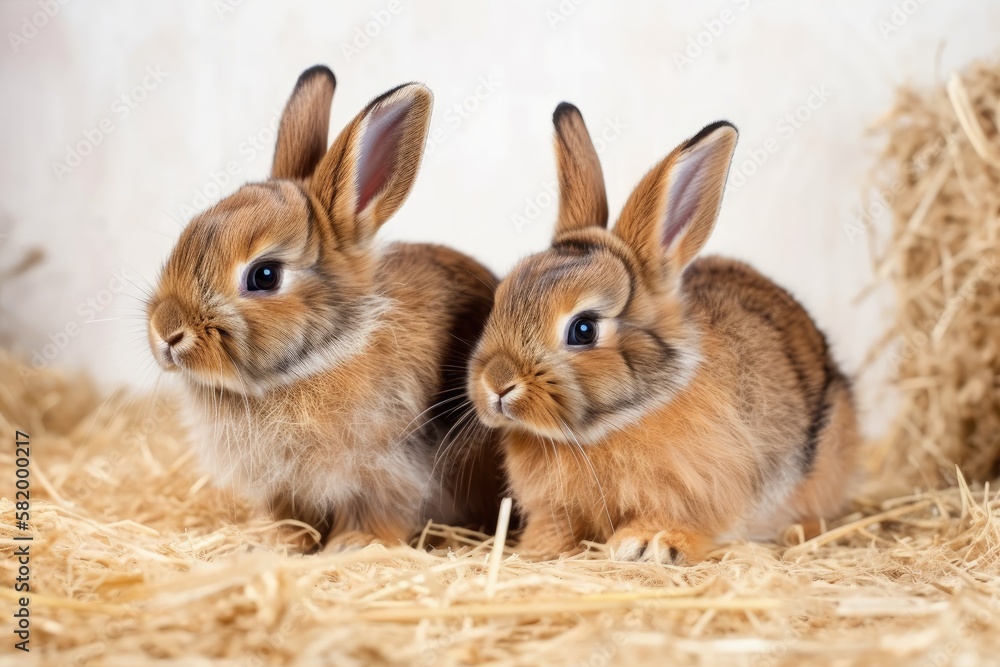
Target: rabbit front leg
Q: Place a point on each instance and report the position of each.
(369, 528)
(647, 540)
(350, 540)
(283, 508)
(546, 538)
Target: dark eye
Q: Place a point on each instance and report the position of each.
(263, 277)
(582, 331)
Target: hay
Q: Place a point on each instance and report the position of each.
(138, 558)
(941, 180)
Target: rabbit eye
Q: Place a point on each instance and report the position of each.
(264, 277)
(582, 331)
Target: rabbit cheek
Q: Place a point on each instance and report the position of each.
(604, 382)
(270, 326)
(209, 361)
(544, 409)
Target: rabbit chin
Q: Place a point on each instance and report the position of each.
(591, 434)
(567, 431)
(219, 380)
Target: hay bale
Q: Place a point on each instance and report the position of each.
(941, 181)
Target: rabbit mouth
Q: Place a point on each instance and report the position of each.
(515, 407)
(496, 414)
(497, 403)
(170, 350)
(169, 356)
(171, 361)
(504, 402)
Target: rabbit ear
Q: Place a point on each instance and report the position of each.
(671, 213)
(582, 199)
(370, 169)
(305, 122)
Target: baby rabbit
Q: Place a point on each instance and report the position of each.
(650, 401)
(327, 376)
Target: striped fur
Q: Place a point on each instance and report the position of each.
(708, 406)
(337, 399)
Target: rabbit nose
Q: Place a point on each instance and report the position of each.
(500, 372)
(171, 347)
(174, 338)
(502, 404)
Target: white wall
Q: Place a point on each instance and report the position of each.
(228, 70)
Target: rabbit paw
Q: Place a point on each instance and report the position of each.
(666, 547)
(298, 539)
(350, 540)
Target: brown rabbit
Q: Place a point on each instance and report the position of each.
(327, 375)
(650, 401)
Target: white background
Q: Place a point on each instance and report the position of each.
(229, 69)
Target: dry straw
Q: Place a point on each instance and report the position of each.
(942, 184)
(137, 557)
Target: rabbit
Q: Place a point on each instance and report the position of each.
(651, 401)
(326, 375)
